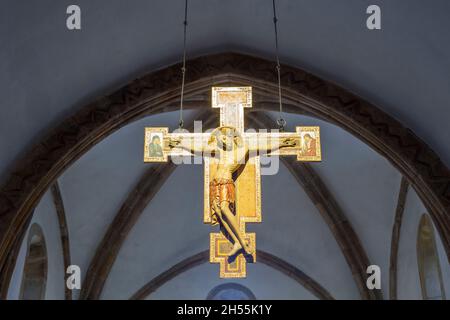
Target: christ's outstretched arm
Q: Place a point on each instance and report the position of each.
(269, 148)
(189, 145)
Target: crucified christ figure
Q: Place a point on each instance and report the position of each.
(226, 145)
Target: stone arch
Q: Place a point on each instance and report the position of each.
(157, 92)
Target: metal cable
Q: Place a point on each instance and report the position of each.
(281, 122)
(183, 68)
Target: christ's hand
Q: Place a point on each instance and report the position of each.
(174, 142)
(289, 142)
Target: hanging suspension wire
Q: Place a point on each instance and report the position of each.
(281, 122)
(183, 68)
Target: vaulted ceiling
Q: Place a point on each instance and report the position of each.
(48, 73)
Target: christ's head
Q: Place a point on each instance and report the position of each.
(226, 138)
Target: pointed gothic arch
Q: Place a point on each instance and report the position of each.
(157, 91)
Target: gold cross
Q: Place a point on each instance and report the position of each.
(245, 203)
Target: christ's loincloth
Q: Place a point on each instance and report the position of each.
(221, 190)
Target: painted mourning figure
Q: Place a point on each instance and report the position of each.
(155, 149)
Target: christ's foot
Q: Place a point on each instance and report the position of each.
(248, 250)
(235, 249)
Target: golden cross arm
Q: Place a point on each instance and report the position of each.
(304, 143)
(172, 144)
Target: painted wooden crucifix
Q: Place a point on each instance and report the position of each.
(232, 179)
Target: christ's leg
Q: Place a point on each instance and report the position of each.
(224, 223)
(237, 245)
(232, 224)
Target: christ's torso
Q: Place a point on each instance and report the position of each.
(229, 162)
